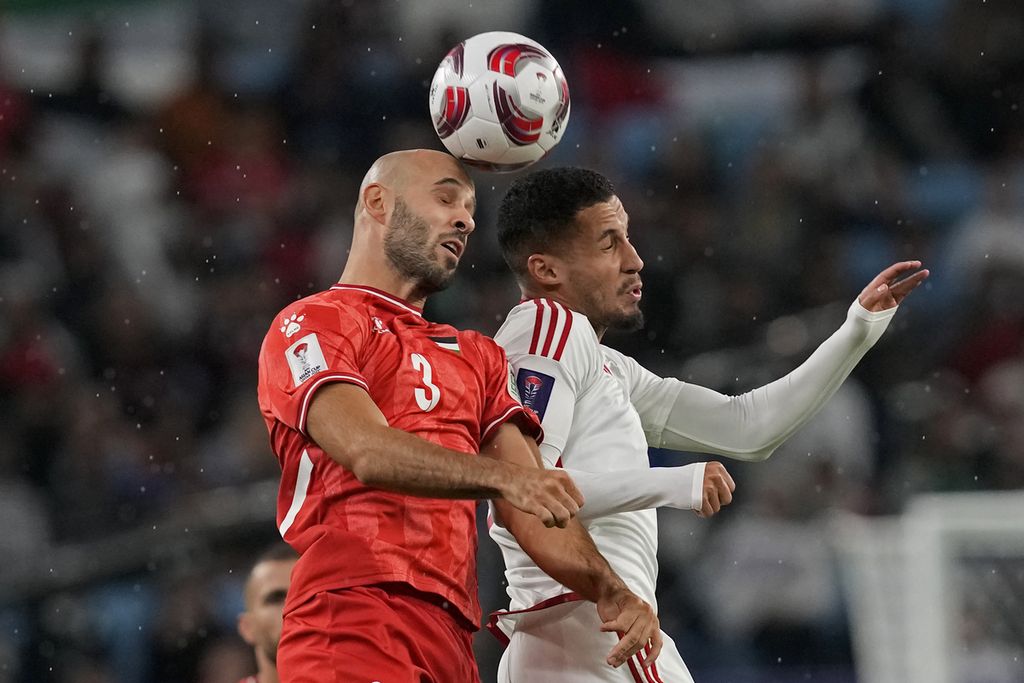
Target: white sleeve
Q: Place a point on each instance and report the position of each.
(549, 388)
(555, 357)
(751, 426)
(607, 493)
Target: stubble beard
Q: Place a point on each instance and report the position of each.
(408, 246)
(606, 317)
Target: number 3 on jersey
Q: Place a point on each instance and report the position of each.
(426, 398)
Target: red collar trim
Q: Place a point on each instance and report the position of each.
(390, 298)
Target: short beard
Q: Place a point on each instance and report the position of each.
(625, 322)
(614, 320)
(408, 246)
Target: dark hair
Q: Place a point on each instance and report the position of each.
(539, 210)
(276, 552)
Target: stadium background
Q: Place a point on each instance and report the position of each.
(171, 173)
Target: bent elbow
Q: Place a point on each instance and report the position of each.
(765, 451)
(757, 454)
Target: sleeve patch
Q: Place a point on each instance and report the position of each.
(535, 389)
(305, 358)
(513, 391)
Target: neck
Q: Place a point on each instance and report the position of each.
(554, 295)
(266, 672)
(385, 279)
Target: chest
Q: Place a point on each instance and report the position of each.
(422, 376)
(606, 432)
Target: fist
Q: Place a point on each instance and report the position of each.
(551, 495)
(718, 488)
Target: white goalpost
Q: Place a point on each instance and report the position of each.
(936, 595)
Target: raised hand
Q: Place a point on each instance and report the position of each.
(551, 495)
(623, 612)
(892, 285)
(718, 488)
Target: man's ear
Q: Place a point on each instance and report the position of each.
(547, 270)
(375, 203)
(245, 628)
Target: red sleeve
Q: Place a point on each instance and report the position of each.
(501, 400)
(308, 346)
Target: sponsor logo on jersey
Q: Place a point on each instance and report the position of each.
(291, 325)
(378, 326)
(450, 343)
(534, 390)
(305, 358)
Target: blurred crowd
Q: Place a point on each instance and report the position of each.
(768, 177)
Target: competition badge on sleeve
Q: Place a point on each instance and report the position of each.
(535, 390)
(305, 358)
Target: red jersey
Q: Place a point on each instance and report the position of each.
(449, 387)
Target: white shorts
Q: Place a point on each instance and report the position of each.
(564, 643)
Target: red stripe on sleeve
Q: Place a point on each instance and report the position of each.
(565, 334)
(552, 322)
(536, 326)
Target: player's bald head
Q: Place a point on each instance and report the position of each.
(396, 170)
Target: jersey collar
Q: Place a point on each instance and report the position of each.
(390, 298)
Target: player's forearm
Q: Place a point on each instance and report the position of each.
(608, 493)
(567, 555)
(753, 425)
(390, 459)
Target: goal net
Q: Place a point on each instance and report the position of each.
(936, 595)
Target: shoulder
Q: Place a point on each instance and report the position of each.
(622, 366)
(547, 328)
(320, 313)
(472, 340)
(619, 359)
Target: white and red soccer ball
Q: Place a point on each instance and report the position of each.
(499, 101)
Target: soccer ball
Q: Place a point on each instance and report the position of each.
(499, 101)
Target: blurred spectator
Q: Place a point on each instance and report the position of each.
(260, 623)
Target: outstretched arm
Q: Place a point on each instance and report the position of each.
(570, 557)
(751, 426)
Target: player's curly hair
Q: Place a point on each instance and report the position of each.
(539, 211)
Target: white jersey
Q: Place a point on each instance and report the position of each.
(600, 411)
(584, 393)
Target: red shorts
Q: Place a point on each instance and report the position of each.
(388, 634)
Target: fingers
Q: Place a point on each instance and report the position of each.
(890, 274)
(711, 502)
(905, 286)
(643, 629)
(554, 499)
(728, 479)
(718, 488)
(653, 649)
(630, 642)
(632, 619)
(887, 290)
(542, 513)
